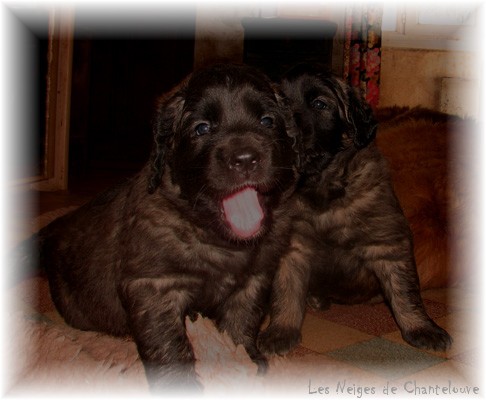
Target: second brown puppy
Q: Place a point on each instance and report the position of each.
(351, 241)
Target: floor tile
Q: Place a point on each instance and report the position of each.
(459, 299)
(322, 336)
(388, 359)
(444, 374)
(295, 378)
(436, 309)
(373, 319)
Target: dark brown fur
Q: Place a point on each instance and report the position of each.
(141, 257)
(351, 242)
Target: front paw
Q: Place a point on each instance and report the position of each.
(277, 340)
(431, 337)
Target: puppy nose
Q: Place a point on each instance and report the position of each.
(244, 160)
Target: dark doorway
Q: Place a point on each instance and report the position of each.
(117, 76)
(26, 68)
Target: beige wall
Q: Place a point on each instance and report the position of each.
(441, 80)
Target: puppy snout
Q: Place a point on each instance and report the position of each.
(244, 160)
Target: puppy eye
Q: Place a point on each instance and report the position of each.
(318, 104)
(267, 122)
(202, 129)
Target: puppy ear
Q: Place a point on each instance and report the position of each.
(355, 113)
(361, 120)
(290, 124)
(168, 113)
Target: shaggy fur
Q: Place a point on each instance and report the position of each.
(144, 255)
(432, 161)
(351, 242)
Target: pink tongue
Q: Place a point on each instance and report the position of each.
(243, 212)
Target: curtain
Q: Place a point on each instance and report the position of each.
(362, 49)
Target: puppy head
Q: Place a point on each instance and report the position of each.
(329, 113)
(227, 141)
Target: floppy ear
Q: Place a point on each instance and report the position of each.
(356, 115)
(361, 120)
(168, 114)
(290, 125)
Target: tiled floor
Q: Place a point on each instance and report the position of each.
(366, 339)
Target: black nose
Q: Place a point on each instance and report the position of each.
(244, 160)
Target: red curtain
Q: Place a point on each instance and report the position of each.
(362, 49)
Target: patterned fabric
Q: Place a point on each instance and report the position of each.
(362, 51)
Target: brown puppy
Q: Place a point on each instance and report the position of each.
(351, 241)
(198, 230)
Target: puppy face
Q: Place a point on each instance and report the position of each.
(226, 139)
(329, 114)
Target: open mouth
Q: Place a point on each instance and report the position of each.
(243, 212)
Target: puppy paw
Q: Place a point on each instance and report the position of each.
(277, 340)
(431, 337)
